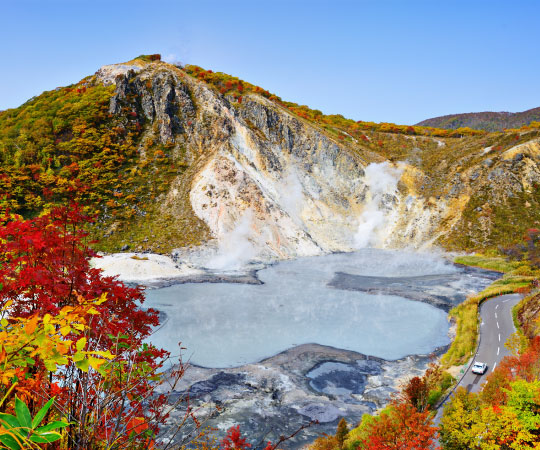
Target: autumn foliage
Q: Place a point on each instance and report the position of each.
(59, 313)
(505, 414)
(401, 427)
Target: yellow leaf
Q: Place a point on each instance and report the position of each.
(65, 330)
(81, 343)
(105, 354)
(102, 299)
(50, 365)
(95, 362)
(79, 356)
(83, 365)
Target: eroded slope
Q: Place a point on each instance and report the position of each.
(173, 157)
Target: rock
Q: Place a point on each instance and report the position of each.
(124, 248)
(112, 73)
(379, 395)
(304, 191)
(496, 173)
(456, 188)
(487, 162)
(274, 397)
(320, 413)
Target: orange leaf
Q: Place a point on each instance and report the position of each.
(62, 348)
(31, 325)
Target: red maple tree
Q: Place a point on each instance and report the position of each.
(44, 268)
(403, 428)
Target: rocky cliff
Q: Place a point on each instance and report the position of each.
(249, 177)
(262, 174)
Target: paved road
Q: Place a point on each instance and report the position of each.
(496, 327)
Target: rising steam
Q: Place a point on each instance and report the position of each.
(235, 249)
(291, 196)
(381, 180)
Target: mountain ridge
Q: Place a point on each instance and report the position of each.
(486, 120)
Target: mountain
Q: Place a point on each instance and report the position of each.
(172, 157)
(489, 121)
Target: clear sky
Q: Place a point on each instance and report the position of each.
(397, 61)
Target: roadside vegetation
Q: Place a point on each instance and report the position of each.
(466, 317)
(521, 268)
(496, 263)
(505, 414)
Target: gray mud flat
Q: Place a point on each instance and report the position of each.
(242, 278)
(442, 291)
(309, 382)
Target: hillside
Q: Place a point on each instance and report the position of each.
(174, 157)
(488, 121)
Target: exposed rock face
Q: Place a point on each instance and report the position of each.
(299, 192)
(288, 187)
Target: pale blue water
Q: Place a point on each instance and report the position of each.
(227, 325)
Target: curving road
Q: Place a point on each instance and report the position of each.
(496, 327)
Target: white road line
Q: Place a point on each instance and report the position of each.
(496, 306)
(496, 316)
(504, 301)
(498, 324)
(494, 365)
(499, 337)
(498, 348)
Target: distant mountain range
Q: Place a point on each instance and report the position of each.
(489, 121)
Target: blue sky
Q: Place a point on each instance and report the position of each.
(396, 61)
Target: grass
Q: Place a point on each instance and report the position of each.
(466, 314)
(486, 262)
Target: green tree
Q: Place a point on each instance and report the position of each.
(341, 432)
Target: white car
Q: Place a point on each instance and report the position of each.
(479, 368)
